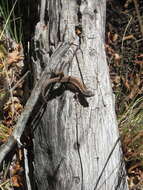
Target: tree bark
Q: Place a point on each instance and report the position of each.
(76, 147)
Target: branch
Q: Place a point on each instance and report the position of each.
(54, 64)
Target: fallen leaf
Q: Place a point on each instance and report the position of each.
(16, 181)
(128, 37)
(15, 56)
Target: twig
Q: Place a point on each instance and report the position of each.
(139, 16)
(10, 92)
(20, 80)
(4, 183)
(105, 181)
(125, 33)
(106, 163)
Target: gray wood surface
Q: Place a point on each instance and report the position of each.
(76, 148)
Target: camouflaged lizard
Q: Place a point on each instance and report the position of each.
(71, 83)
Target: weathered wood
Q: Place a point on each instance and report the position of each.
(33, 100)
(73, 145)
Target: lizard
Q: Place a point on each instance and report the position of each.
(71, 83)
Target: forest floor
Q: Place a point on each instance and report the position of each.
(124, 48)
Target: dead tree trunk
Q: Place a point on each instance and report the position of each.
(76, 143)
